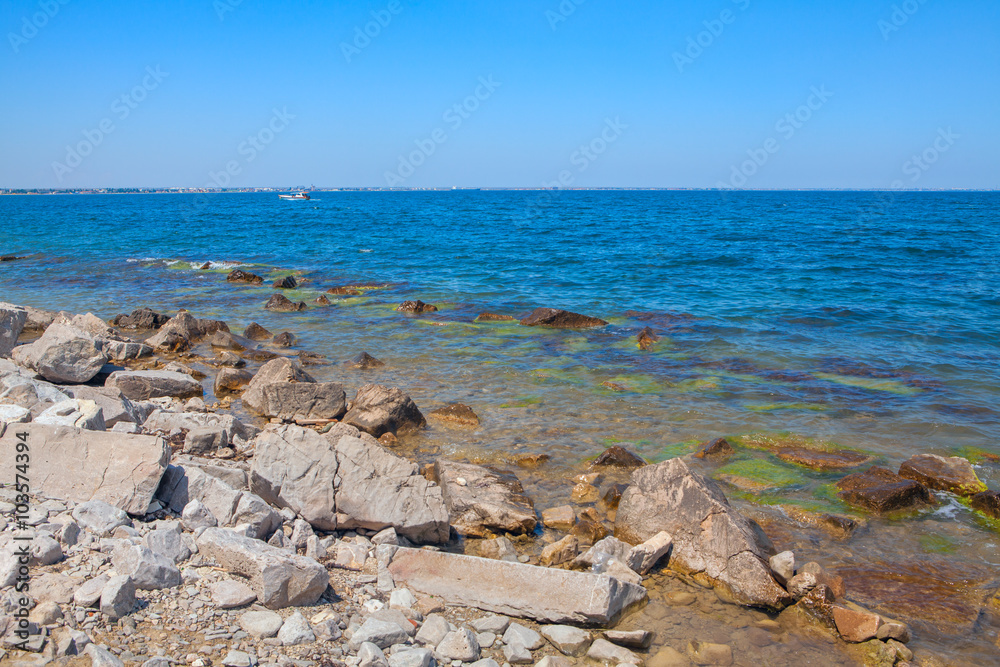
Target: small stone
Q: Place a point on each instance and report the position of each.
(526, 636)
(493, 623)
(714, 450)
(229, 594)
(566, 638)
(559, 518)
(800, 585)
(517, 653)
(261, 624)
(499, 548)
(783, 566)
(896, 631)
(643, 557)
(381, 633)
(705, 653)
(370, 655)
(45, 613)
(295, 630)
(433, 630)
(237, 659)
(459, 645)
(554, 661)
(604, 651)
(856, 626)
(118, 597)
(486, 639)
(630, 638)
(402, 598)
(101, 657)
(89, 594)
(668, 657)
(584, 493)
(560, 552)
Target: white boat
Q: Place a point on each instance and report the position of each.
(298, 196)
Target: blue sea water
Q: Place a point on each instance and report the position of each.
(863, 319)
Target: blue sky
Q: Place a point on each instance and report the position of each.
(589, 93)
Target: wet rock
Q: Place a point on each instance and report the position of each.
(668, 657)
(288, 282)
(279, 303)
(378, 409)
(800, 584)
(227, 341)
(589, 531)
(604, 651)
(856, 626)
(241, 276)
(566, 638)
(63, 354)
(641, 639)
(255, 331)
(618, 457)
(459, 645)
(643, 557)
(563, 319)
(416, 307)
(987, 502)
(646, 338)
(823, 460)
(284, 339)
(149, 570)
(516, 589)
(712, 543)
(261, 624)
(278, 578)
(705, 653)
(584, 493)
(231, 381)
(715, 450)
(321, 300)
(613, 496)
(783, 566)
(345, 291)
(481, 501)
(560, 552)
(880, 490)
(365, 362)
(140, 318)
(896, 631)
(953, 474)
(494, 317)
(12, 321)
(229, 594)
(120, 469)
(455, 414)
(144, 385)
(559, 518)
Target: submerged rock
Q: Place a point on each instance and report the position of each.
(712, 542)
(284, 339)
(288, 282)
(880, 490)
(416, 307)
(820, 459)
(563, 319)
(618, 457)
(230, 381)
(378, 409)
(954, 474)
(279, 303)
(987, 502)
(481, 501)
(646, 339)
(715, 450)
(456, 414)
(494, 317)
(365, 362)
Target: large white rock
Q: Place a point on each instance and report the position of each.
(114, 345)
(515, 589)
(279, 579)
(144, 385)
(74, 412)
(482, 501)
(12, 321)
(62, 354)
(68, 463)
(712, 542)
(229, 506)
(341, 482)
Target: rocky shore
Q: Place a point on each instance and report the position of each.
(278, 524)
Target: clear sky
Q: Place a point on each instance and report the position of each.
(645, 93)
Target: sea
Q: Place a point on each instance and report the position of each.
(853, 320)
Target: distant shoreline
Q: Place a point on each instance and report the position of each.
(173, 191)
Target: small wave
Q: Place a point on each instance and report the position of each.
(365, 250)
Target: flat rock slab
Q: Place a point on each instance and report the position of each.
(144, 385)
(880, 490)
(481, 501)
(515, 589)
(818, 459)
(953, 474)
(278, 578)
(456, 414)
(121, 469)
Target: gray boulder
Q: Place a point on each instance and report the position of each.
(149, 570)
(99, 517)
(181, 331)
(261, 624)
(302, 400)
(712, 543)
(229, 506)
(121, 469)
(195, 515)
(62, 354)
(381, 633)
(116, 347)
(278, 578)
(144, 385)
(118, 597)
(378, 409)
(12, 321)
(74, 412)
(481, 501)
(295, 630)
(277, 371)
(116, 408)
(459, 645)
(167, 542)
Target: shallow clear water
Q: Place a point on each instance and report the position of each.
(844, 318)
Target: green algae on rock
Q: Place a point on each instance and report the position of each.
(760, 475)
(953, 474)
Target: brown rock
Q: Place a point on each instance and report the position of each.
(255, 331)
(288, 282)
(377, 409)
(225, 340)
(284, 339)
(613, 495)
(714, 450)
(456, 414)
(880, 490)
(259, 355)
(481, 500)
(560, 552)
(589, 531)
(646, 339)
(493, 317)
(618, 457)
(530, 461)
(321, 300)
(987, 502)
(416, 307)
(819, 459)
(584, 493)
(345, 291)
(954, 474)
(231, 381)
(563, 319)
(141, 318)
(241, 276)
(856, 626)
(559, 518)
(365, 362)
(279, 303)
